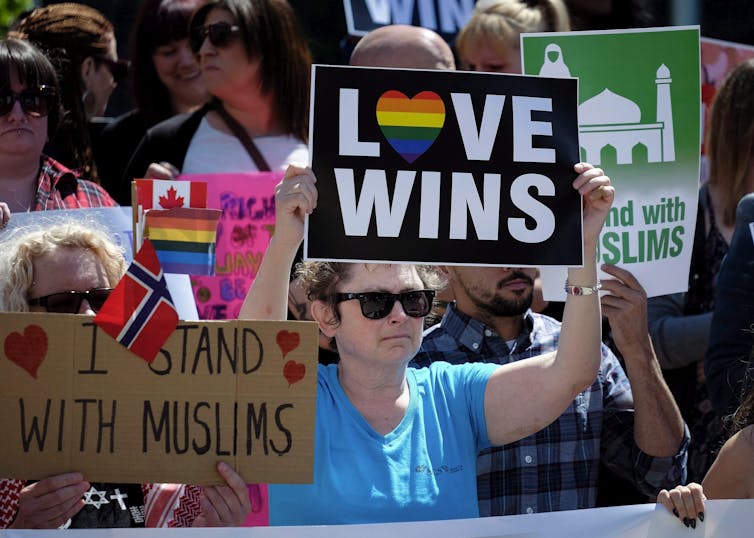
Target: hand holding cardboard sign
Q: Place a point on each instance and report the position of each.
(594, 186)
(49, 503)
(225, 506)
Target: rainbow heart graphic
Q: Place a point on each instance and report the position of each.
(410, 125)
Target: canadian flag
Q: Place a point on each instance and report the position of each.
(162, 194)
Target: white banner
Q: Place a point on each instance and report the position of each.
(728, 519)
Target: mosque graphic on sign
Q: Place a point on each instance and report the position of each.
(609, 119)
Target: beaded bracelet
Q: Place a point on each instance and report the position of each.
(582, 290)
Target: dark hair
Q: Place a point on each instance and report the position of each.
(67, 34)
(730, 138)
(744, 414)
(158, 23)
(33, 69)
(271, 32)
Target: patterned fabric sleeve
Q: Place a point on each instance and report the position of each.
(9, 496)
(171, 505)
(649, 473)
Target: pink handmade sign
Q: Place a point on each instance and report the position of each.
(246, 225)
(718, 59)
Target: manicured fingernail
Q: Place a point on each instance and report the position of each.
(693, 523)
(686, 521)
(701, 516)
(675, 513)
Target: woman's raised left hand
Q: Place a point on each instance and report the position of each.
(598, 195)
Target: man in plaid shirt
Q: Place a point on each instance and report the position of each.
(639, 433)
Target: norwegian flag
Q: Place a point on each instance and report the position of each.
(139, 312)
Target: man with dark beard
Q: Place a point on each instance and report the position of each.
(633, 427)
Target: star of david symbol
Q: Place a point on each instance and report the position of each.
(96, 498)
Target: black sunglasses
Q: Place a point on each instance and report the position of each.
(35, 102)
(69, 302)
(118, 68)
(378, 304)
(219, 33)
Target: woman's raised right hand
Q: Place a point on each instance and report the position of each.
(295, 197)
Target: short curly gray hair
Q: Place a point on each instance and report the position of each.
(320, 279)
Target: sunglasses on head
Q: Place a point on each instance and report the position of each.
(378, 304)
(118, 68)
(69, 302)
(35, 102)
(219, 34)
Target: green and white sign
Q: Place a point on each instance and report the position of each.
(639, 114)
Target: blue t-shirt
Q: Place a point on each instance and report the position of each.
(425, 469)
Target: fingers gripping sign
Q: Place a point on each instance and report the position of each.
(225, 506)
(295, 197)
(625, 306)
(685, 502)
(49, 503)
(598, 195)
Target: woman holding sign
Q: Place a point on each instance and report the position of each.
(395, 443)
(730, 477)
(71, 268)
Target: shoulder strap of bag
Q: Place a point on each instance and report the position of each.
(243, 136)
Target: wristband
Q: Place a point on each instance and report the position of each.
(582, 290)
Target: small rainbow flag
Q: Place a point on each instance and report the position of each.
(410, 125)
(184, 239)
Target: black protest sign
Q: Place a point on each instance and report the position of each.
(446, 17)
(444, 168)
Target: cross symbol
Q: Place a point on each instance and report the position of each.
(119, 496)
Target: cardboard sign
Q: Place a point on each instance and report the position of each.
(446, 17)
(639, 98)
(444, 168)
(74, 400)
(243, 233)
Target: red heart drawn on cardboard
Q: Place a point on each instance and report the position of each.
(294, 372)
(287, 341)
(27, 350)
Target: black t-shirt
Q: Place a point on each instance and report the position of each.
(110, 506)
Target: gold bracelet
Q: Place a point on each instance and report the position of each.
(582, 290)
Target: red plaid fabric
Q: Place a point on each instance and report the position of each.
(59, 188)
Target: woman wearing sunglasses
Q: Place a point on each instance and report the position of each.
(29, 116)
(255, 62)
(166, 81)
(395, 443)
(80, 43)
(71, 268)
